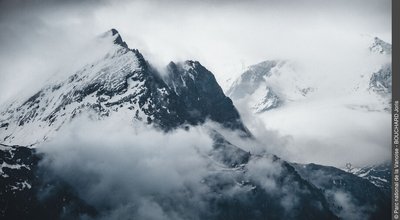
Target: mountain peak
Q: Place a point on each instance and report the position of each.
(114, 31)
(116, 36)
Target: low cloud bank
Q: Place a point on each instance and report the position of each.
(131, 172)
(137, 172)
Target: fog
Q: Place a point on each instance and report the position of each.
(129, 172)
(126, 171)
(324, 130)
(139, 172)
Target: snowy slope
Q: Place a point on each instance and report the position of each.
(116, 80)
(349, 196)
(105, 85)
(380, 175)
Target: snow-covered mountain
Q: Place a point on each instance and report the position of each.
(234, 183)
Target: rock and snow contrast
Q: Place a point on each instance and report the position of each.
(64, 149)
(119, 82)
(268, 85)
(379, 175)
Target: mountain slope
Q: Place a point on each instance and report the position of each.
(349, 196)
(379, 175)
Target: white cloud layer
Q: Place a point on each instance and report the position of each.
(126, 171)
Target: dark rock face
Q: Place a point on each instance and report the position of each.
(118, 40)
(26, 194)
(349, 196)
(256, 202)
(201, 95)
(380, 175)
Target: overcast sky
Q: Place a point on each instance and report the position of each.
(37, 37)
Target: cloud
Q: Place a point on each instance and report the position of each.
(129, 171)
(347, 208)
(126, 171)
(322, 131)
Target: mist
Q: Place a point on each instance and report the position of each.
(130, 172)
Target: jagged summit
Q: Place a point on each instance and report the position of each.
(117, 39)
